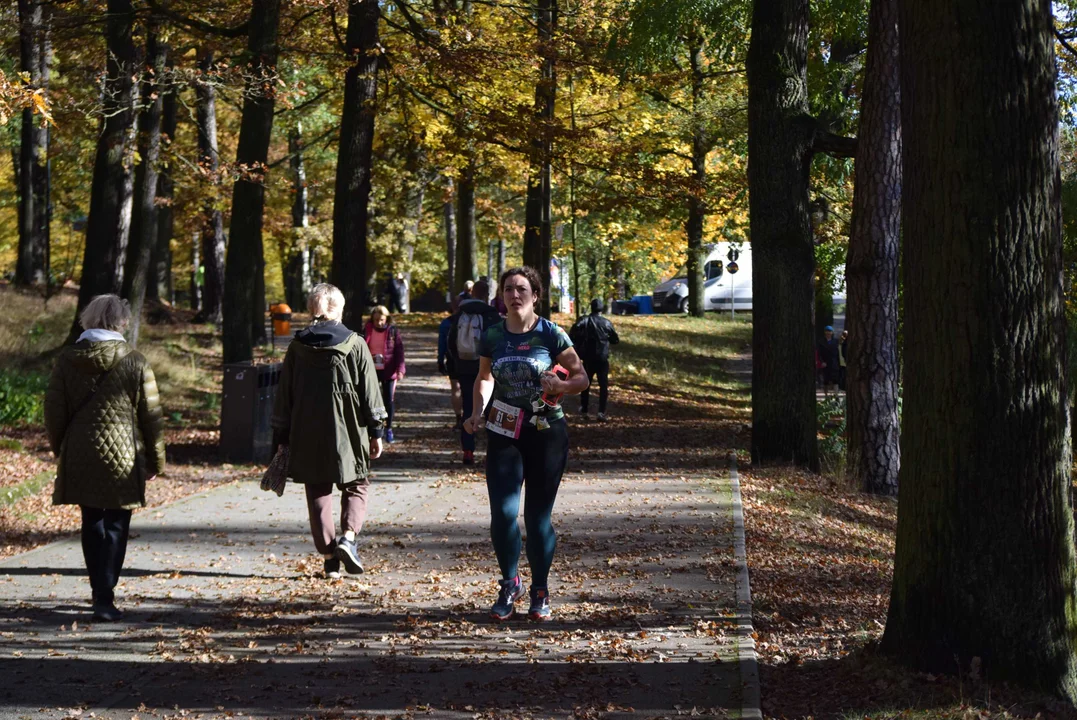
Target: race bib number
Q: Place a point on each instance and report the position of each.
(379, 362)
(504, 419)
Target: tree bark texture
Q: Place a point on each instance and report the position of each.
(351, 211)
(209, 160)
(160, 286)
(108, 221)
(467, 261)
(873, 451)
(32, 264)
(538, 230)
(697, 207)
(984, 563)
(243, 307)
(448, 212)
(779, 151)
(144, 216)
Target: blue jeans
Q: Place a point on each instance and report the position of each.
(534, 463)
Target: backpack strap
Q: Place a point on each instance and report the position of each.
(100, 381)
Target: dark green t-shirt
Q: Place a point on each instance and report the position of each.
(518, 361)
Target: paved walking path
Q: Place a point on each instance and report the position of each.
(228, 615)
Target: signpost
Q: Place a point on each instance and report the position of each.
(732, 267)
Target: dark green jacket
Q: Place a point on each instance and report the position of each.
(109, 445)
(328, 404)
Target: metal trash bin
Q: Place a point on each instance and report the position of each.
(246, 408)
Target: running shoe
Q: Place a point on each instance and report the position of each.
(348, 554)
(469, 457)
(332, 568)
(602, 417)
(540, 605)
(389, 436)
(511, 591)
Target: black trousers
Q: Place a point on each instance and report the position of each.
(104, 544)
(601, 368)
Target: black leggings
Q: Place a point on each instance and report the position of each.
(534, 462)
(104, 545)
(388, 395)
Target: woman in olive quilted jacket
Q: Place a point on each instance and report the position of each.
(103, 417)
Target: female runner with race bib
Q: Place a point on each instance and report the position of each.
(526, 364)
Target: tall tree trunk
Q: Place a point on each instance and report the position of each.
(414, 196)
(448, 213)
(209, 160)
(697, 205)
(144, 217)
(538, 231)
(243, 306)
(32, 264)
(874, 454)
(467, 262)
(779, 152)
(351, 211)
(160, 286)
(297, 266)
(109, 218)
(984, 565)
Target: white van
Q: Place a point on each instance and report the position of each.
(720, 287)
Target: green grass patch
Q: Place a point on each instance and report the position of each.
(679, 353)
(11, 495)
(10, 444)
(22, 397)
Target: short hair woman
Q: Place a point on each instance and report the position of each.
(104, 421)
(329, 412)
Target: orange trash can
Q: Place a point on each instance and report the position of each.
(282, 319)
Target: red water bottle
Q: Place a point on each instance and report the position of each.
(555, 400)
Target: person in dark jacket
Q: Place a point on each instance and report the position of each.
(329, 412)
(104, 421)
(592, 336)
(396, 291)
(445, 367)
(469, 323)
(828, 358)
(387, 347)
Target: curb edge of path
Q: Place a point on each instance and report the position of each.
(749, 662)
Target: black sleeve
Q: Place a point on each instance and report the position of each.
(611, 333)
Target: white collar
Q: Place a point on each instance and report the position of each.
(100, 335)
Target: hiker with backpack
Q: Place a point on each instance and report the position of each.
(592, 336)
(469, 323)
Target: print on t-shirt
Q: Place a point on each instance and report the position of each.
(518, 361)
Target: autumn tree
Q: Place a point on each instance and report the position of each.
(108, 224)
(143, 238)
(985, 524)
(354, 160)
(782, 138)
(244, 262)
(874, 455)
(35, 50)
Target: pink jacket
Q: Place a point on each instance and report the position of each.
(394, 352)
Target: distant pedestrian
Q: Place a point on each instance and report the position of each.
(387, 347)
(329, 412)
(397, 293)
(828, 358)
(465, 294)
(104, 421)
(592, 336)
(527, 365)
(469, 323)
(843, 349)
(446, 367)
